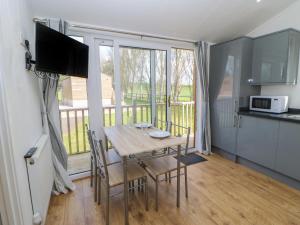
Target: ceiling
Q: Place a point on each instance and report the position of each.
(210, 20)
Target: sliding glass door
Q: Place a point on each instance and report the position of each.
(135, 85)
(183, 92)
(160, 87)
(107, 84)
(140, 84)
(73, 115)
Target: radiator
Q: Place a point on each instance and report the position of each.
(40, 173)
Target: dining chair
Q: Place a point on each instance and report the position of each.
(111, 156)
(93, 164)
(157, 167)
(111, 175)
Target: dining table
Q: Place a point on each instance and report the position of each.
(130, 141)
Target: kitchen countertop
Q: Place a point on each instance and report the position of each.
(291, 116)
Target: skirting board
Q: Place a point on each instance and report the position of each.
(268, 172)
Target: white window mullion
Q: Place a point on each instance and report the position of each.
(153, 85)
(93, 89)
(169, 74)
(117, 73)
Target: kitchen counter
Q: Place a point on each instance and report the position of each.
(291, 116)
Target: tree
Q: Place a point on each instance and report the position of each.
(182, 71)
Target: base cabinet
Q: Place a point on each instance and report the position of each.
(288, 151)
(257, 140)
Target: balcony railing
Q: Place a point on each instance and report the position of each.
(73, 120)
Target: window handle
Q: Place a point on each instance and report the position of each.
(169, 101)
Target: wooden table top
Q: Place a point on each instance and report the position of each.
(128, 140)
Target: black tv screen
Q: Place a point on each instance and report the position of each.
(58, 53)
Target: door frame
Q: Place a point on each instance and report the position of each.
(93, 39)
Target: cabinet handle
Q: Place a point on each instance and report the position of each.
(239, 123)
(234, 121)
(236, 106)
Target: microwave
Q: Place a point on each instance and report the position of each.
(271, 104)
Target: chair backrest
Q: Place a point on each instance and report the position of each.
(91, 143)
(100, 157)
(160, 123)
(181, 130)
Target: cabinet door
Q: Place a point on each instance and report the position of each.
(288, 153)
(270, 58)
(224, 73)
(257, 140)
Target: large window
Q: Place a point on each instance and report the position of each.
(107, 85)
(135, 85)
(161, 87)
(73, 111)
(183, 91)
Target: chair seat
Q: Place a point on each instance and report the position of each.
(116, 176)
(162, 165)
(112, 156)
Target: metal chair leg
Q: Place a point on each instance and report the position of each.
(99, 190)
(92, 168)
(156, 193)
(146, 193)
(186, 182)
(139, 185)
(133, 186)
(107, 205)
(142, 184)
(95, 185)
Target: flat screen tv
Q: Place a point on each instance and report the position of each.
(58, 53)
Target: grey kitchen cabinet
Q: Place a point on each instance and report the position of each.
(257, 140)
(230, 68)
(288, 152)
(275, 58)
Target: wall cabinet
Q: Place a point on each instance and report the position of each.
(275, 58)
(288, 151)
(257, 140)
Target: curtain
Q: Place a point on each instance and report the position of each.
(62, 181)
(203, 142)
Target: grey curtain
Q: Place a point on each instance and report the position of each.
(202, 67)
(62, 181)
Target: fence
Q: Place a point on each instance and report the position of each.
(72, 121)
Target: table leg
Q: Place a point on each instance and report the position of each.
(178, 175)
(125, 190)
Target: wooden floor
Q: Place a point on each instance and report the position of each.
(221, 192)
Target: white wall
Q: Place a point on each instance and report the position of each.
(288, 18)
(21, 94)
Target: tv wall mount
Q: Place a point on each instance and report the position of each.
(29, 62)
(28, 56)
